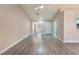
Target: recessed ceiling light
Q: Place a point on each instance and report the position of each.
(36, 8)
(42, 7)
(41, 18)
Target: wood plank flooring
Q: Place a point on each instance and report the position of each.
(43, 45)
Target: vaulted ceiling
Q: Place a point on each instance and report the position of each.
(45, 11)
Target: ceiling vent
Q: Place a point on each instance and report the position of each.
(37, 13)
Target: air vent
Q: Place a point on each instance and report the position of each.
(37, 13)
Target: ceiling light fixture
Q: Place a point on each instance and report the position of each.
(36, 8)
(41, 18)
(42, 7)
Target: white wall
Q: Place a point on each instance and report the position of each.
(66, 28)
(71, 33)
(14, 25)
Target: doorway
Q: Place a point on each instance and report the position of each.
(55, 28)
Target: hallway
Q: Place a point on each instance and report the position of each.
(39, 29)
(43, 45)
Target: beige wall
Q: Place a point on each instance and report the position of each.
(66, 28)
(14, 24)
(71, 33)
(59, 31)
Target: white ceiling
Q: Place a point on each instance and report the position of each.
(47, 13)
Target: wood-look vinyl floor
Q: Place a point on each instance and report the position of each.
(43, 45)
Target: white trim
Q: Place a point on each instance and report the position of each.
(8, 47)
(71, 41)
(47, 33)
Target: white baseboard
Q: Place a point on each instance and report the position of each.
(8, 47)
(71, 41)
(48, 33)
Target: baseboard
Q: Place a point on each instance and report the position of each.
(5, 49)
(46, 33)
(71, 41)
(59, 38)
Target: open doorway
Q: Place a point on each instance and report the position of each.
(43, 27)
(36, 27)
(55, 28)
